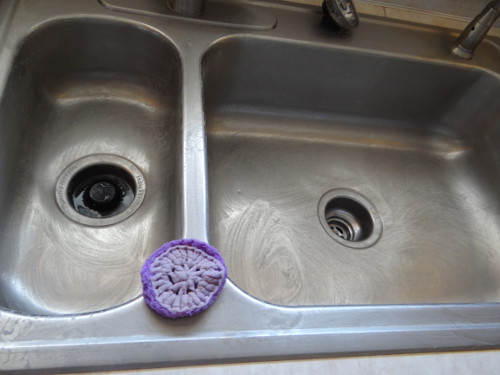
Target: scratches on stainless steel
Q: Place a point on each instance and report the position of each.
(266, 263)
(277, 142)
(279, 117)
(85, 99)
(425, 253)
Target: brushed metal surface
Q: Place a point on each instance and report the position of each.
(76, 90)
(238, 133)
(476, 30)
(278, 139)
(222, 13)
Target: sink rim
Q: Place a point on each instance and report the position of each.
(134, 337)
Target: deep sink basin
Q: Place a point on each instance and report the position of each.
(78, 90)
(287, 123)
(350, 181)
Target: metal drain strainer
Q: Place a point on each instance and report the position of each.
(100, 190)
(350, 218)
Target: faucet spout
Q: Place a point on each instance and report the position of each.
(476, 30)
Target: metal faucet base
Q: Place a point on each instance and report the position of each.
(221, 13)
(476, 30)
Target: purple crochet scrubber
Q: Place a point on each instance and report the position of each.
(183, 278)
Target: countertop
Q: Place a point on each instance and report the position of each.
(478, 362)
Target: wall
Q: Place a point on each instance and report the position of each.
(454, 14)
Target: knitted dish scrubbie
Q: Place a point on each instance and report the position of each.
(183, 278)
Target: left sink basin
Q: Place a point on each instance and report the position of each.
(79, 101)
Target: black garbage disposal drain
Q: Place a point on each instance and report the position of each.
(350, 218)
(100, 190)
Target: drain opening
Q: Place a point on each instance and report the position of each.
(349, 218)
(341, 228)
(100, 190)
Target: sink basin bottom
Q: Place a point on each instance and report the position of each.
(268, 174)
(76, 91)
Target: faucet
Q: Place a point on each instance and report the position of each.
(188, 8)
(476, 30)
(342, 13)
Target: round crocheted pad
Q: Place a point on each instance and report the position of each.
(183, 278)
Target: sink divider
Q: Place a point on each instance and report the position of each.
(194, 186)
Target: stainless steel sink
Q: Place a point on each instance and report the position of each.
(350, 181)
(289, 122)
(76, 90)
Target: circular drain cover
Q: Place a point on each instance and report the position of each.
(100, 190)
(104, 194)
(343, 228)
(349, 218)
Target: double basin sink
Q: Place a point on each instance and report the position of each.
(349, 180)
